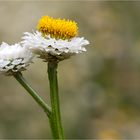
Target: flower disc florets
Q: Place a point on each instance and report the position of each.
(14, 58)
(58, 28)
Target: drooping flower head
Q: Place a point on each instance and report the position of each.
(14, 58)
(55, 39)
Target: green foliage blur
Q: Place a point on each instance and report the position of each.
(99, 89)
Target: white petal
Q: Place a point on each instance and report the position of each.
(9, 67)
(16, 61)
(4, 63)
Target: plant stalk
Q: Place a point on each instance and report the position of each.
(18, 76)
(55, 119)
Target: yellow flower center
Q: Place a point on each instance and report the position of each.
(58, 28)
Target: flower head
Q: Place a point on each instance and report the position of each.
(14, 58)
(56, 40)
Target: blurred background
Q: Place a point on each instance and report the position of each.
(99, 89)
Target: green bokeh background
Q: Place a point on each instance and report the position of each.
(99, 89)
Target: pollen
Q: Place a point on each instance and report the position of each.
(57, 28)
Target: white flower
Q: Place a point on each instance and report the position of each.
(14, 58)
(50, 48)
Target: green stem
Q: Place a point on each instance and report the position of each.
(55, 118)
(18, 76)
